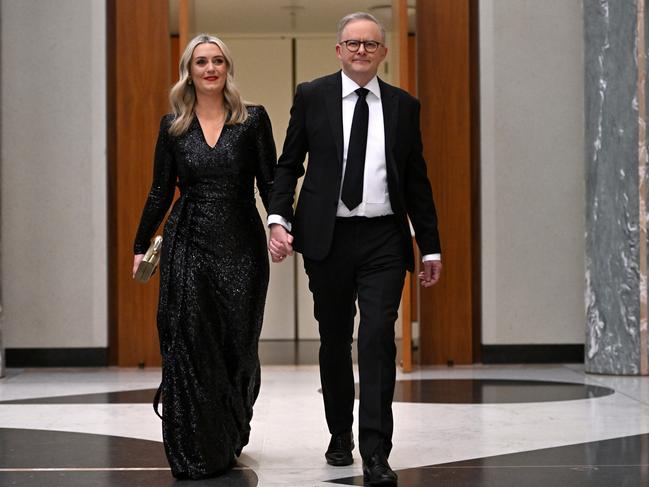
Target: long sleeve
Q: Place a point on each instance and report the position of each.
(419, 196)
(162, 189)
(290, 166)
(266, 156)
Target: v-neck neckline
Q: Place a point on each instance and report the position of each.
(218, 139)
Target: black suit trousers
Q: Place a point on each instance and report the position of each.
(366, 261)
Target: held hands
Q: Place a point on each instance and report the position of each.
(431, 273)
(136, 262)
(279, 243)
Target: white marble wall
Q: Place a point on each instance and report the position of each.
(531, 69)
(53, 165)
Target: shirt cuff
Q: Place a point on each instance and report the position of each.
(281, 220)
(429, 257)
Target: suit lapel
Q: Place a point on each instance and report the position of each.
(390, 103)
(333, 103)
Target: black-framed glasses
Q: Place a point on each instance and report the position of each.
(354, 45)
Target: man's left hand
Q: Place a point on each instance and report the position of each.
(431, 273)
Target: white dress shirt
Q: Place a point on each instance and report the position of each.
(376, 199)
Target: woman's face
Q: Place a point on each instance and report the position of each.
(208, 69)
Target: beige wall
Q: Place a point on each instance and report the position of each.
(266, 79)
(532, 171)
(53, 167)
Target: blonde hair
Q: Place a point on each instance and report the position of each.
(183, 96)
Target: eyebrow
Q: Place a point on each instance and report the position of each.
(205, 57)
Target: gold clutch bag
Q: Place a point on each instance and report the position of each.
(150, 261)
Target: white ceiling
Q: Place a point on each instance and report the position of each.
(276, 16)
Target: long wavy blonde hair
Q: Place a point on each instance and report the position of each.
(183, 95)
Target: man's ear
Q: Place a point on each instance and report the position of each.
(338, 53)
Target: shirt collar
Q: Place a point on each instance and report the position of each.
(349, 86)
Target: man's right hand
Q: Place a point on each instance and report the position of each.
(279, 243)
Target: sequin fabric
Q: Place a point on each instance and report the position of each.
(213, 280)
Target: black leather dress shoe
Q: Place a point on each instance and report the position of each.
(339, 453)
(377, 471)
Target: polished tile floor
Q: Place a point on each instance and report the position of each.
(479, 426)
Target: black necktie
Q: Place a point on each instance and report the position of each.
(352, 193)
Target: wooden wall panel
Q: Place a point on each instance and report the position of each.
(185, 15)
(412, 64)
(175, 59)
(400, 26)
(446, 87)
(138, 84)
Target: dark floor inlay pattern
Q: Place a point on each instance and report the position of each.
(620, 462)
(491, 391)
(24, 449)
(140, 396)
(233, 478)
(450, 391)
(27, 448)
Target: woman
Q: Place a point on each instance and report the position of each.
(214, 266)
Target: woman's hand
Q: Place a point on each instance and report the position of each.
(279, 243)
(137, 258)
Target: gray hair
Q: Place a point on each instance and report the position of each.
(358, 16)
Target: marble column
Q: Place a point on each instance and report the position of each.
(616, 187)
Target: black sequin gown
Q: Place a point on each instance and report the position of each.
(213, 281)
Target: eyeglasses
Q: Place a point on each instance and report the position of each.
(354, 45)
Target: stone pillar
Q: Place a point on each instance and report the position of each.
(616, 187)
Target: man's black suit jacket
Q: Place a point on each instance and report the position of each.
(316, 128)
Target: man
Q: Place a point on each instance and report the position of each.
(365, 177)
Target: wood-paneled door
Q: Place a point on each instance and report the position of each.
(448, 88)
(138, 84)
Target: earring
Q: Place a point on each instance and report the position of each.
(189, 81)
